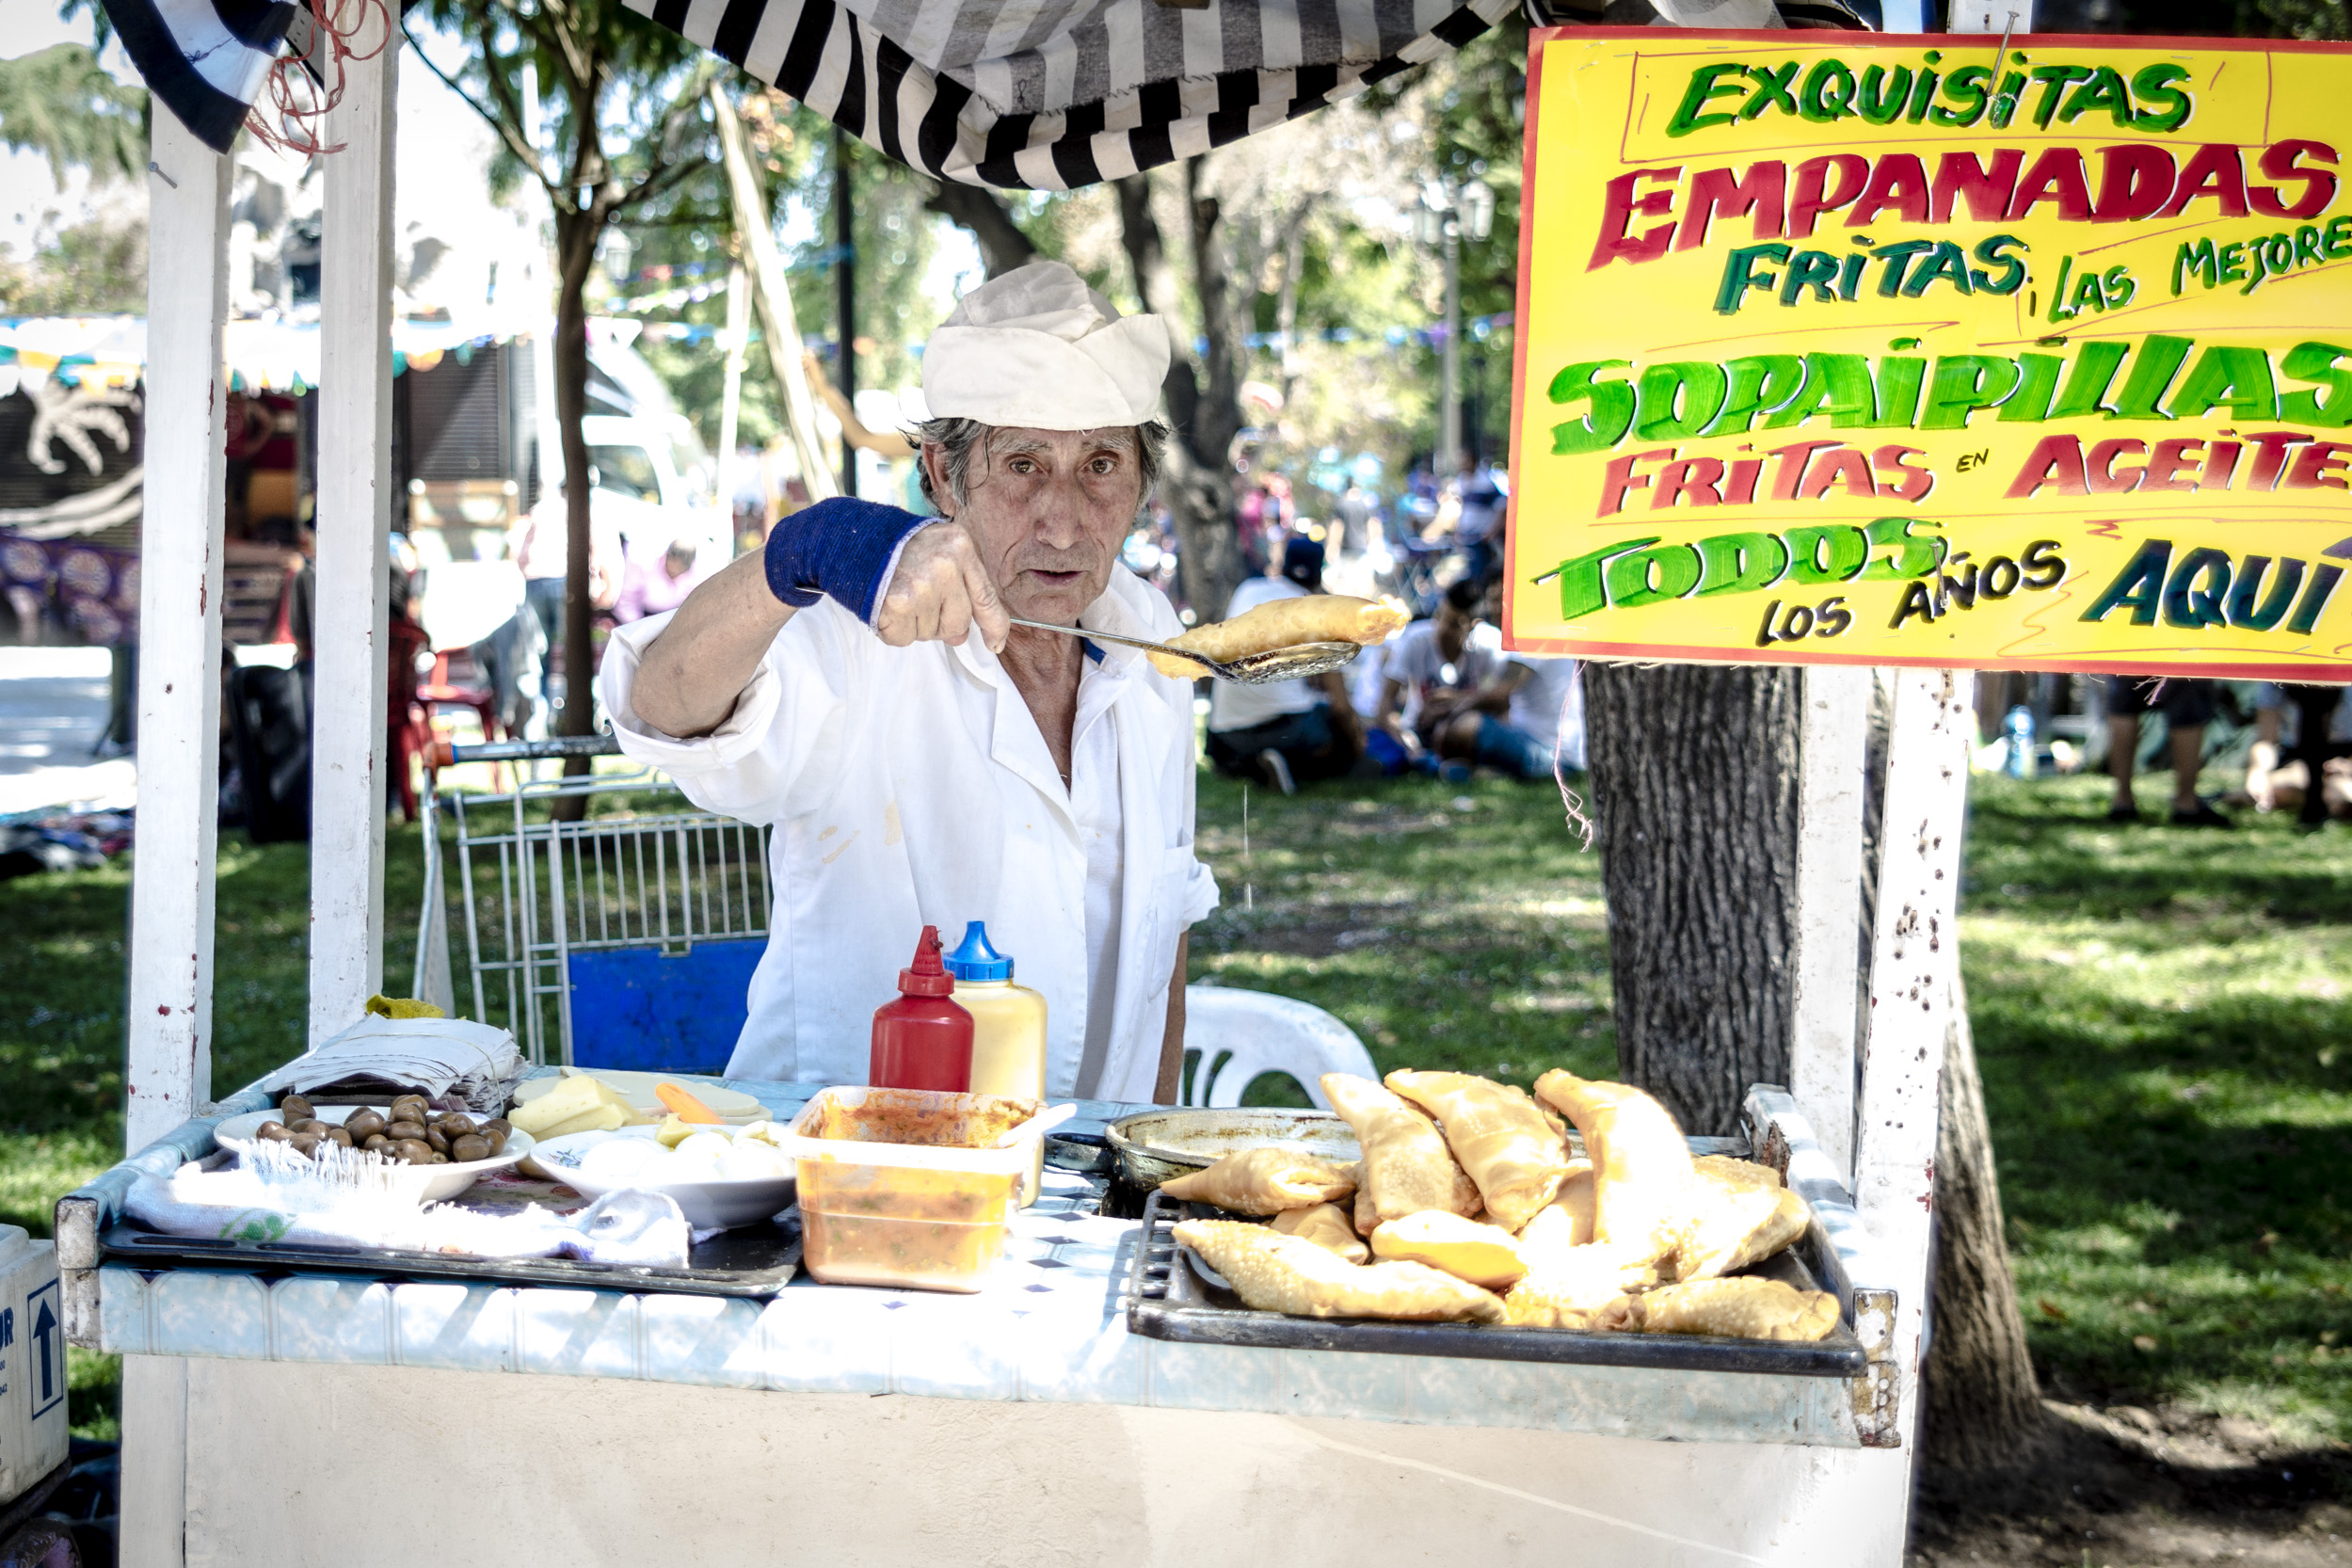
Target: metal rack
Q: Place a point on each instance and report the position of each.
(535, 891)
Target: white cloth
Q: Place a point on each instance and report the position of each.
(911, 786)
(1235, 707)
(1038, 349)
(1416, 662)
(1549, 705)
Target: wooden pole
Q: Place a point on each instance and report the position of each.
(775, 301)
(349, 764)
(731, 394)
(1828, 904)
(168, 1066)
(845, 294)
(1915, 958)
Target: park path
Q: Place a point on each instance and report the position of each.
(53, 714)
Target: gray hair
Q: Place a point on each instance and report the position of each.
(958, 438)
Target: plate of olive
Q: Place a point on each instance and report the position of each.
(447, 1150)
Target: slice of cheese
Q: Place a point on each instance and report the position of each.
(594, 1106)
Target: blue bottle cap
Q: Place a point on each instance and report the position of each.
(974, 959)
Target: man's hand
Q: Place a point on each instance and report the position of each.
(940, 592)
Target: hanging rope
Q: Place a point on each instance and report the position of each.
(302, 89)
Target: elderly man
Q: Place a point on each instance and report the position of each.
(859, 688)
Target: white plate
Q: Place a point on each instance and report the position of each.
(733, 1107)
(706, 1205)
(434, 1183)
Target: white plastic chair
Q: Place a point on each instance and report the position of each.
(1258, 1033)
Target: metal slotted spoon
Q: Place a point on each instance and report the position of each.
(1251, 669)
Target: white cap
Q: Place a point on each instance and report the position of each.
(1038, 349)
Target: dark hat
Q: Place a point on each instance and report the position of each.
(1303, 561)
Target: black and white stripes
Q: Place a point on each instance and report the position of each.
(1055, 94)
(206, 59)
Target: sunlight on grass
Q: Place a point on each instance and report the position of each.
(2158, 1014)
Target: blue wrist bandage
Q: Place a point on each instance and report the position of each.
(839, 548)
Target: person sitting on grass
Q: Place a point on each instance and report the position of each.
(1446, 687)
(1287, 732)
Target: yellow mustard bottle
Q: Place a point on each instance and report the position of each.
(1008, 1030)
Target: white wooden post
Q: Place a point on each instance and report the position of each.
(1915, 958)
(1828, 904)
(167, 1073)
(349, 764)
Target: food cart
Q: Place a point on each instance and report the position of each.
(1053, 1416)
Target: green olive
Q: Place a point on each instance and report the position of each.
(455, 1123)
(295, 1108)
(338, 1135)
(499, 1125)
(378, 1143)
(272, 1132)
(495, 1138)
(439, 1158)
(401, 1128)
(411, 1108)
(473, 1146)
(439, 1139)
(305, 1144)
(309, 1124)
(366, 1124)
(416, 1151)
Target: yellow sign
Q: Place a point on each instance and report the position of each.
(1921, 350)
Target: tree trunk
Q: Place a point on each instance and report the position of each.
(1695, 774)
(1198, 480)
(1983, 1410)
(1003, 246)
(575, 248)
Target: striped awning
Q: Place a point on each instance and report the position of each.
(1018, 94)
(1056, 94)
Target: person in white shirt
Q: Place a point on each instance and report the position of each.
(1446, 686)
(1286, 732)
(859, 688)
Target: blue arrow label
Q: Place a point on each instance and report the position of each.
(46, 1382)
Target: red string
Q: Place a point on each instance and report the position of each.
(299, 103)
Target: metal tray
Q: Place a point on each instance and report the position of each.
(753, 1261)
(1170, 1300)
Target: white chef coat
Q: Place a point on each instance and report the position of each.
(911, 786)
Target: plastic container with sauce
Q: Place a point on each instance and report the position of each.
(1008, 1029)
(899, 1186)
(922, 1040)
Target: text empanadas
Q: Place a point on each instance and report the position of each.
(1407, 1167)
(1640, 1165)
(1274, 1272)
(1743, 1308)
(1481, 1254)
(1326, 1225)
(1263, 1181)
(1514, 1149)
(1285, 623)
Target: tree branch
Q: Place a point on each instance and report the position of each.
(508, 133)
(1003, 246)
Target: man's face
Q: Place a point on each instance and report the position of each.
(1048, 510)
(1453, 626)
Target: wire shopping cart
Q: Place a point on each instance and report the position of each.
(625, 937)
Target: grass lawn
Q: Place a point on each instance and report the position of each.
(2157, 1012)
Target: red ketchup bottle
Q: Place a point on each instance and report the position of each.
(922, 1040)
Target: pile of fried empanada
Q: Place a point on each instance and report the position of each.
(1474, 1211)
